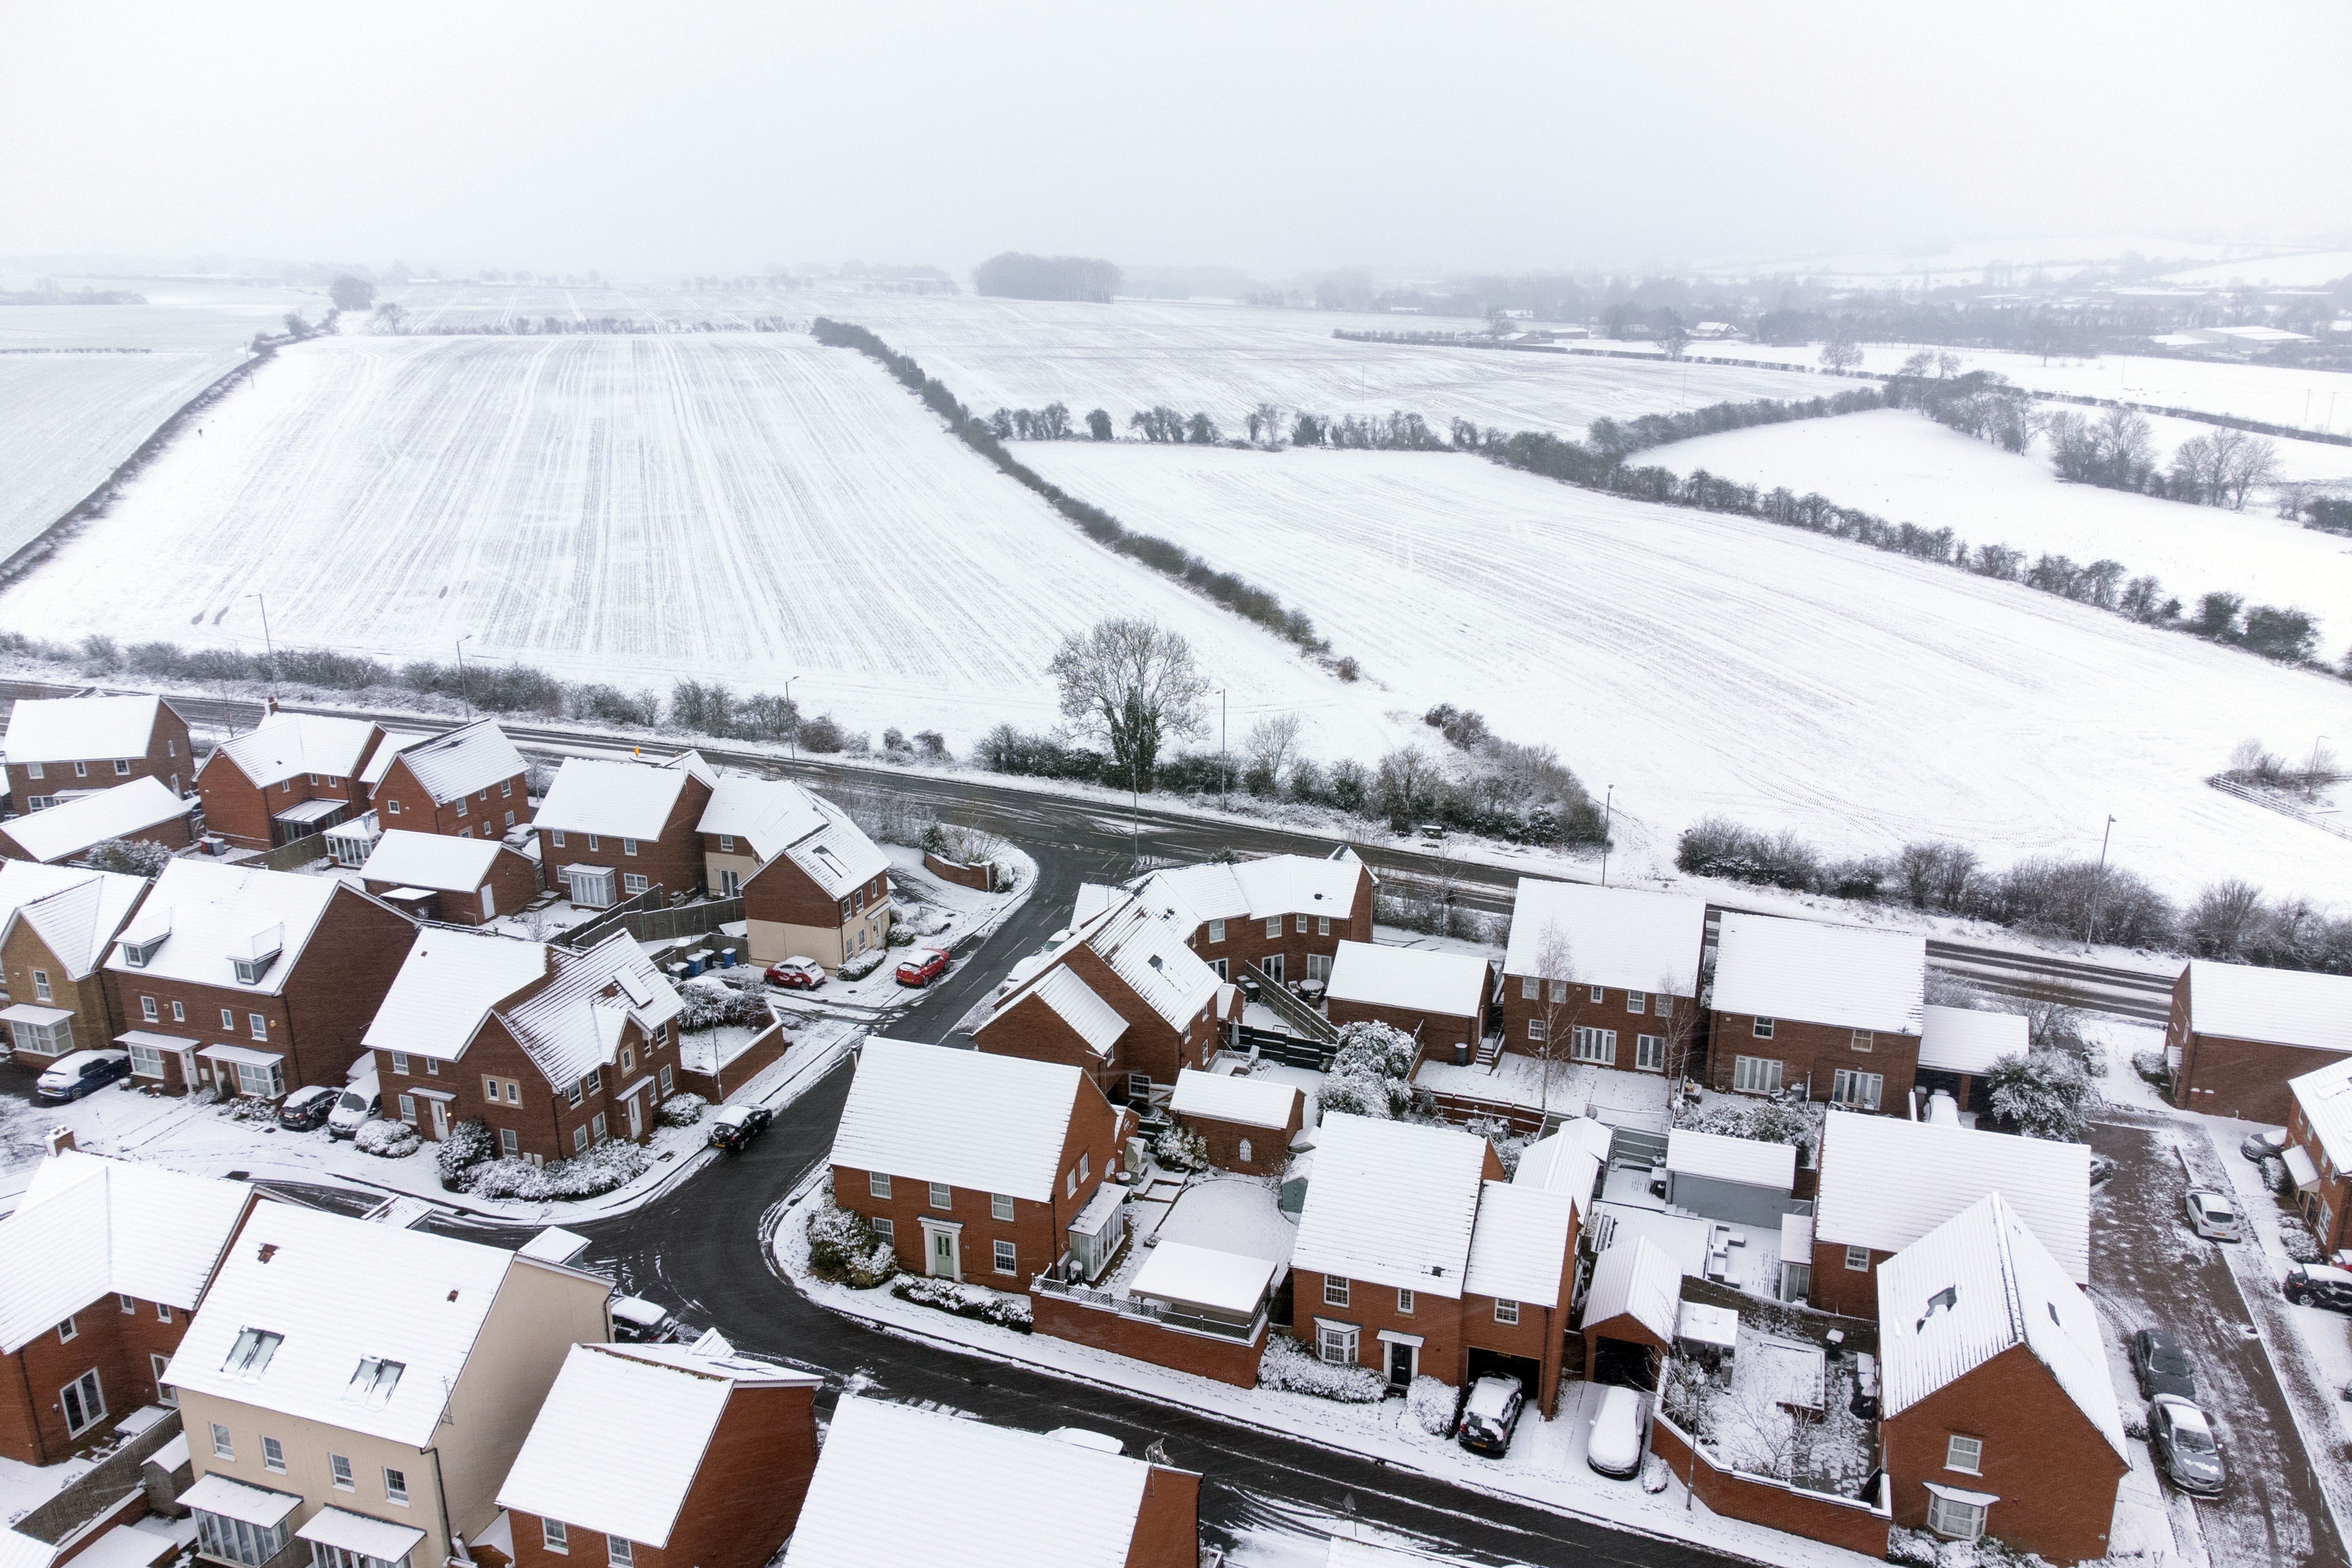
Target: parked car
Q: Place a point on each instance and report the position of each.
(361, 1102)
(2260, 1146)
(737, 1125)
(922, 966)
(796, 974)
(2161, 1366)
(637, 1321)
(1490, 1415)
(2318, 1284)
(2210, 1215)
(306, 1110)
(81, 1072)
(2102, 1169)
(2182, 1441)
(1614, 1444)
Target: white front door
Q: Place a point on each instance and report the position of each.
(440, 1120)
(944, 1264)
(636, 1116)
(489, 902)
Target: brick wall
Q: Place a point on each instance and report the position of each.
(672, 861)
(1817, 1050)
(114, 1343)
(1537, 1336)
(2334, 1189)
(546, 1124)
(401, 802)
(339, 982)
(1168, 1521)
(763, 1051)
(169, 756)
(1245, 939)
(1437, 1032)
(1227, 1360)
(1371, 1307)
(1269, 1147)
(2221, 1077)
(956, 871)
(1849, 1292)
(95, 1023)
(1031, 1029)
(1839, 1522)
(240, 811)
(1613, 1011)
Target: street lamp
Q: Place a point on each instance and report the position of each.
(793, 734)
(1608, 818)
(1225, 773)
(266, 646)
(463, 690)
(2099, 886)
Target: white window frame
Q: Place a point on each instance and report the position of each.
(1273, 925)
(1535, 1028)
(408, 1108)
(258, 1025)
(1858, 1259)
(223, 1442)
(1506, 1312)
(1531, 988)
(1954, 1520)
(635, 882)
(1857, 1091)
(1756, 1075)
(157, 1363)
(88, 1391)
(554, 1537)
(1000, 1206)
(941, 1195)
(1404, 1303)
(629, 847)
(1216, 931)
(400, 1063)
(273, 1455)
(619, 1551)
(555, 836)
(1598, 1047)
(885, 1229)
(1637, 1001)
(148, 1012)
(1956, 1449)
(1761, 1028)
(395, 1486)
(338, 1471)
(1335, 1290)
(41, 985)
(1006, 1257)
(1322, 925)
(1334, 1345)
(1865, 1039)
(1649, 1053)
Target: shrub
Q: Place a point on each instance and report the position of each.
(977, 1303)
(469, 1144)
(2043, 1094)
(864, 965)
(2150, 1065)
(1180, 1148)
(821, 734)
(132, 856)
(682, 1110)
(844, 1248)
(387, 1139)
(610, 1165)
(709, 1006)
(2297, 1239)
(1291, 1366)
(1430, 1404)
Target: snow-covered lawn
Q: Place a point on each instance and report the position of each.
(1707, 664)
(1908, 468)
(1575, 1089)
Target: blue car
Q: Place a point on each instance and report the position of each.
(83, 1072)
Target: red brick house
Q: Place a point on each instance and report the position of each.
(465, 881)
(1247, 1122)
(722, 1450)
(553, 1050)
(979, 1167)
(1998, 1413)
(292, 776)
(57, 924)
(57, 747)
(256, 980)
(1836, 1009)
(1604, 975)
(813, 884)
(106, 1261)
(143, 810)
(2318, 1151)
(611, 830)
(993, 1494)
(1886, 1182)
(2239, 1034)
(1438, 998)
(1285, 914)
(468, 784)
(1123, 997)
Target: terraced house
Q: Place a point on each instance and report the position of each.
(613, 830)
(813, 884)
(1283, 916)
(292, 776)
(1836, 1010)
(57, 747)
(56, 926)
(1607, 976)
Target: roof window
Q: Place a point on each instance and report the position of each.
(1943, 1300)
(373, 1381)
(249, 1357)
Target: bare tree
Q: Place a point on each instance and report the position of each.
(1269, 418)
(1841, 352)
(2252, 460)
(1132, 683)
(1555, 972)
(1272, 745)
(1681, 1030)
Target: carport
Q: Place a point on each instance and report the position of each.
(1478, 1364)
(1958, 1047)
(1629, 1313)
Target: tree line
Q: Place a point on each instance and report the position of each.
(1016, 276)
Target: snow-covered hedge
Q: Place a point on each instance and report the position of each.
(605, 1167)
(1918, 1549)
(1180, 1148)
(973, 1301)
(682, 1110)
(387, 1139)
(1288, 1364)
(2295, 1237)
(864, 965)
(709, 1006)
(1430, 1404)
(844, 1248)
(245, 1108)
(468, 1145)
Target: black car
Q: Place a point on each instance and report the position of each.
(2102, 1169)
(2318, 1284)
(2161, 1365)
(1490, 1415)
(306, 1110)
(2182, 1441)
(737, 1125)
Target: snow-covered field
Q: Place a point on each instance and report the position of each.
(1908, 469)
(1706, 664)
(2301, 270)
(744, 507)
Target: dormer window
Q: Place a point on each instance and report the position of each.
(249, 971)
(249, 1357)
(137, 955)
(373, 1381)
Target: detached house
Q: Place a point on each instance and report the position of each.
(1438, 998)
(980, 1167)
(1998, 1416)
(58, 747)
(2318, 1151)
(292, 776)
(2239, 1034)
(611, 830)
(1604, 975)
(104, 1262)
(465, 881)
(257, 981)
(1886, 1182)
(1837, 1009)
(988, 1494)
(813, 884)
(467, 784)
(1283, 916)
(357, 1392)
(143, 810)
(554, 1051)
(721, 1450)
(56, 926)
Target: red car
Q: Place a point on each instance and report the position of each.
(922, 966)
(796, 974)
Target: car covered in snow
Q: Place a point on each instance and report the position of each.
(361, 1102)
(922, 966)
(306, 1110)
(2210, 1215)
(2260, 1146)
(2318, 1284)
(737, 1125)
(637, 1321)
(1490, 1415)
(2182, 1441)
(79, 1073)
(2103, 1170)
(1612, 1445)
(2160, 1366)
(796, 974)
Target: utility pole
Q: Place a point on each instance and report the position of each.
(463, 690)
(1225, 772)
(2099, 886)
(1608, 819)
(268, 648)
(1134, 815)
(795, 734)
(2311, 769)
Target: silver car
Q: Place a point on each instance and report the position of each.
(2212, 1216)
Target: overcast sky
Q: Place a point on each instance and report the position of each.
(1272, 137)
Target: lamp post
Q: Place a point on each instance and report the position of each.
(1225, 773)
(795, 734)
(2099, 885)
(1608, 819)
(267, 647)
(464, 691)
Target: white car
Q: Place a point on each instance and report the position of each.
(1614, 1444)
(362, 1103)
(2210, 1215)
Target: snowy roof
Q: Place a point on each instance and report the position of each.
(609, 1399)
(341, 1291)
(1618, 937)
(1412, 979)
(1224, 1097)
(73, 825)
(452, 981)
(1640, 1279)
(439, 861)
(1223, 1281)
(74, 911)
(358, 1533)
(778, 818)
(1094, 899)
(837, 856)
(1518, 1247)
(1977, 1284)
(1816, 974)
(573, 1023)
(2324, 1096)
(1969, 1039)
(87, 1227)
(470, 758)
(1254, 889)
(79, 729)
(1080, 1007)
(1886, 1182)
(987, 1495)
(1716, 1157)
(987, 1123)
(2277, 1006)
(209, 915)
(553, 1245)
(620, 799)
(1564, 1162)
(1148, 952)
(387, 751)
(1391, 1203)
(284, 745)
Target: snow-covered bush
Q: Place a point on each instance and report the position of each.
(1919, 1548)
(1765, 1120)
(1507, 1145)
(468, 1145)
(2278, 1177)
(387, 1139)
(1684, 1391)
(2295, 1237)
(1180, 1148)
(2150, 1065)
(247, 1108)
(1288, 1364)
(709, 1006)
(1369, 1073)
(2134, 1417)
(1430, 1404)
(681, 1109)
(864, 965)
(974, 1302)
(844, 1248)
(610, 1165)
(2044, 1094)
(132, 856)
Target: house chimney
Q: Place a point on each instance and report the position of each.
(269, 703)
(59, 1140)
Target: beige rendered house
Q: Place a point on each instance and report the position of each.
(354, 1393)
